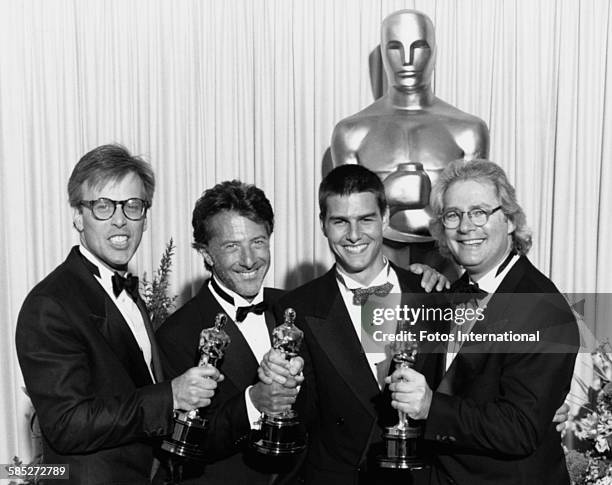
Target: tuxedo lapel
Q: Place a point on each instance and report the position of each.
(467, 363)
(239, 363)
(270, 297)
(106, 317)
(334, 332)
(156, 365)
(429, 359)
(120, 338)
(499, 305)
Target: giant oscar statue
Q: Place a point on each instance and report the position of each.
(408, 136)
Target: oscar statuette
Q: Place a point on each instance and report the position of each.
(189, 427)
(402, 440)
(283, 434)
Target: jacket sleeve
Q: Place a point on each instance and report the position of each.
(511, 410)
(82, 405)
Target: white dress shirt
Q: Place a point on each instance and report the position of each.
(489, 283)
(379, 361)
(254, 330)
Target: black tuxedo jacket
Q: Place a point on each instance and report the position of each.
(490, 419)
(340, 398)
(229, 458)
(97, 406)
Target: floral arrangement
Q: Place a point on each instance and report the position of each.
(155, 292)
(590, 463)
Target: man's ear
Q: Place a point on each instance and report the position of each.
(322, 222)
(385, 218)
(511, 226)
(77, 219)
(208, 261)
(145, 224)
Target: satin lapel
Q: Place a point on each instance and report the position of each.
(334, 332)
(106, 317)
(156, 365)
(238, 364)
(117, 333)
(430, 355)
(466, 363)
(499, 305)
(270, 297)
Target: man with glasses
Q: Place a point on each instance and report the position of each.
(488, 412)
(84, 341)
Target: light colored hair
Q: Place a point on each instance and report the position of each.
(104, 164)
(483, 171)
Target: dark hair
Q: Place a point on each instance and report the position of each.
(247, 200)
(351, 179)
(104, 164)
(480, 171)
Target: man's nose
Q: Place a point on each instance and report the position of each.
(247, 258)
(119, 218)
(465, 224)
(353, 232)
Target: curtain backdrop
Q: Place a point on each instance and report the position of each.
(251, 89)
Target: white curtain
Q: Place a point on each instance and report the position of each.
(251, 89)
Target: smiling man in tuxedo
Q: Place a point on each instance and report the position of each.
(84, 341)
(488, 417)
(342, 399)
(232, 225)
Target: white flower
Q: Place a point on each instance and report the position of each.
(601, 444)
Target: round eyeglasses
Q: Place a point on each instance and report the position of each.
(451, 219)
(103, 209)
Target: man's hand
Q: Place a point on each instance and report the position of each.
(272, 398)
(195, 388)
(279, 381)
(275, 368)
(431, 278)
(410, 393)
(561, 416)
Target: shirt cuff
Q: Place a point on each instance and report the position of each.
(252, 413)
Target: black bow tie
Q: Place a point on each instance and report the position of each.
(243, 311)
(361, 295)
(463, 290)
(129, 284)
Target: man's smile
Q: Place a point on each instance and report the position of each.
(355, 248)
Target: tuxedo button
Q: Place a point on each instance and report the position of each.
(340, 421)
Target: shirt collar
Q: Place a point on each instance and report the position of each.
(105, 274)
(489, 282)
(350, 284)
(238, 300)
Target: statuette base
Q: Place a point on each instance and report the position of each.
(187, 438)
(401, 449)
(280, 435)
